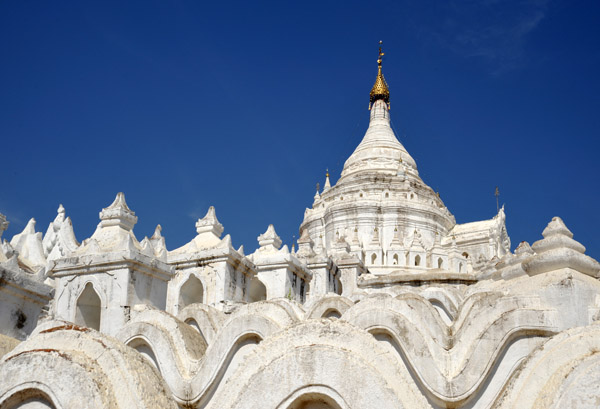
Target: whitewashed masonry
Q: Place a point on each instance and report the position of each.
(387, 303)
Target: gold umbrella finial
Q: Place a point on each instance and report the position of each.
(380, 89)
(381, 54)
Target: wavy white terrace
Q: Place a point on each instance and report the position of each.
(386, 303)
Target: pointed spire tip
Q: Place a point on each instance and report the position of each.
(380, 89)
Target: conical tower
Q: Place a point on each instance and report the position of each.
(379, 189)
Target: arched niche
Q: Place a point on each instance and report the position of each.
(257, 291)
(193, 323)
(314, 401)
(29, 399)
(445, 315)
(140, 345)
(191, 292)
(339, 288)
(88, 311)
(332, 313)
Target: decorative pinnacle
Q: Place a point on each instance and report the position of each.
(157, 231)
(497, 194)
(209, 223)
(327, 183)
(269, 239)
(3, 223)
(118, 214)
(380, 89)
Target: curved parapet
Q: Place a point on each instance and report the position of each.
(451, 363)
(281, 311)
(326, 361)
(193, 373)
(206, 319)
(294, 309)
(446, 301)
(563, 373)
(332, 306)
(106, 373)
(171, 345)
(571, 293)
(417, 312)
(467, 361)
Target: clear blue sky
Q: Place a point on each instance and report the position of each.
(243, 105)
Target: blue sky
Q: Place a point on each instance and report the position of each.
(243, 105)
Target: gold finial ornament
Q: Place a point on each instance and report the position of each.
(380, 90)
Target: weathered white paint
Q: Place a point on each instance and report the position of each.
(387, 303)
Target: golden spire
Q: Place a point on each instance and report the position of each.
(380, 90)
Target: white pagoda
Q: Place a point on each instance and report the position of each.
(387, 303)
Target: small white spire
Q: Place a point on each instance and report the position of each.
(118, 214)
(157, 232)
(397, 242)
(269, 240)
(59, 240)
(29, 247)
(305, 245)
(210, 223)
(30, 227)
(158, 241)
(375, 237)
(317, 195)
(60, 214)
(327, 183)
(417, 241)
